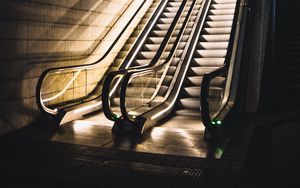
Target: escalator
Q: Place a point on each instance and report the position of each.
(120, 57)
(209, 55)
(141, 90)
(152, 52)
(152, 38)
(192, 84)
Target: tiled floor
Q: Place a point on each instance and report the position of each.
(262, 153)
(84, 154)
(179, 135)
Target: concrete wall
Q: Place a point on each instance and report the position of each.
(39, 34)
(258, 37)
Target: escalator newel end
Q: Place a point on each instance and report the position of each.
(216, 123)
(123, 126)
(213, 133)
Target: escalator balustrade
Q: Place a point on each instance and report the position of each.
(147, 94)
(138, 51)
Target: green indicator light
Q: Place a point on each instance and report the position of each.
(216, 122)
(218, 152)
(115, 117)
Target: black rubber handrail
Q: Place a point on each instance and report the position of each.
(207, 77)
(110, 77)
(79, 67)
(204, 97)
(128, 76)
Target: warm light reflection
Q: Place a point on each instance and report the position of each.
(82, 126)
(63, 90)
(88, 126)
(157, 132)
(185, 134)
(142, 147)
(199, 152)
(188, 143)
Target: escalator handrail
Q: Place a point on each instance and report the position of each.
(157, 55)
(86, 66)
(110, 77)
(204, 95)
(132, 74)
(163, 109)
(207, 77)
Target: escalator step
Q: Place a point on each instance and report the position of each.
(163, 90)
(167, 80)
(200, 71)
(162, 26)
(197, 81)
(169, 20)
(168, 14)
(146, 54)
(174, 4)
(221, 12)
(172, 9)
(194, 80)
(224, 1)
(159, 33)
(215, 38)
(193, 91)
(218, 24)
(220, 18)
(122, 54)
(190, 103)
(211, 53)
(219, 30)
(223, 6)
(213, 45)
(188, 112)
(175, 61)
(171, 70)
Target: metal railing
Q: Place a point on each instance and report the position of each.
(75, 71)
(114, 79)
(158, 97)
(214, 111)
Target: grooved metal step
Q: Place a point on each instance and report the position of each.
(213, 45)
(190, 103)
(188, 112)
